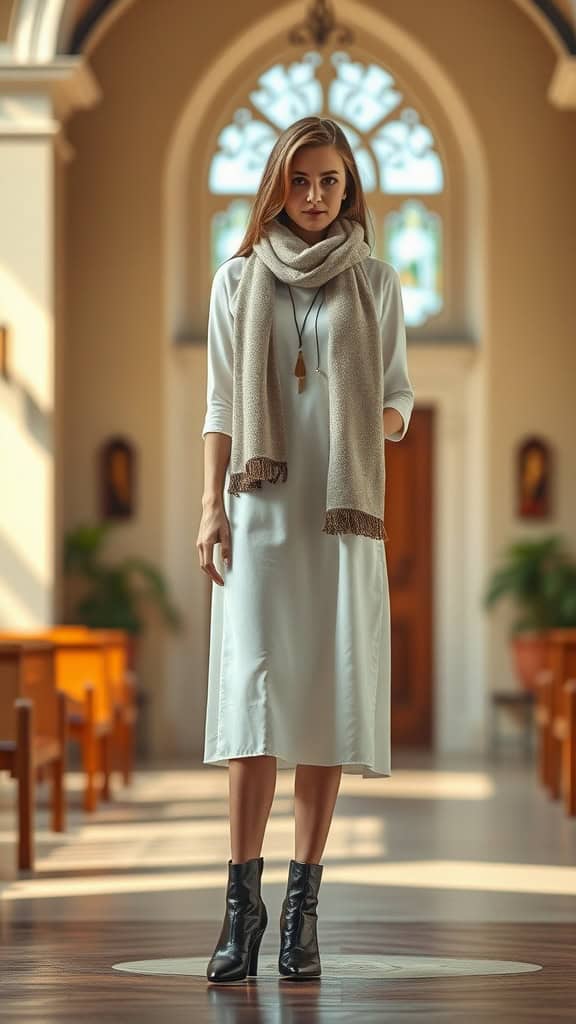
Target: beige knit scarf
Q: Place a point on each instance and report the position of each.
(355, 484)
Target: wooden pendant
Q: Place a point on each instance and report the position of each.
(300, 371)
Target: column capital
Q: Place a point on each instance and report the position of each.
(36, 100)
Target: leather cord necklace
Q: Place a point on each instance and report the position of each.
(300, 368)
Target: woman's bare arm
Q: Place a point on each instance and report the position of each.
(392, 420)
(217, 449)
(214, 524)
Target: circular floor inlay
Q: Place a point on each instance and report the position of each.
(337, 965)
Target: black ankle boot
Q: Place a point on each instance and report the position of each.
(236, 954)
(299, 957)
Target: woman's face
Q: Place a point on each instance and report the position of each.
(317, 182)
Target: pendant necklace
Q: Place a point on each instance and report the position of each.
(300, 368)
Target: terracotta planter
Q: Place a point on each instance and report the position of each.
(529, 656)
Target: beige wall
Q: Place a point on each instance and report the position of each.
(114, 378)
(27, 398)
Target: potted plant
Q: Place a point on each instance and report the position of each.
(113, 596)
(540, 577)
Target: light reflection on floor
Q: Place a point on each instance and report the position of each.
(423, 844)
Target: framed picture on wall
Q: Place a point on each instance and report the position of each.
(117, 479)
(4, 353)
(534, 479)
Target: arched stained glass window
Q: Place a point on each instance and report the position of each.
(394, 149)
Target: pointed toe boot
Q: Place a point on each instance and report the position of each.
(245, 920)
(299, 957)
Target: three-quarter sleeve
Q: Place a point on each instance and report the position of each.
(398, 390)
(220, 359)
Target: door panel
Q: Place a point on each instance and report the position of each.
(408, 518)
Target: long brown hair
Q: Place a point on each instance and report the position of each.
(275, 182)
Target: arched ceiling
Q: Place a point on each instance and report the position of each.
(73, 23)
(560, 16)
(567, 8)
(87, 14)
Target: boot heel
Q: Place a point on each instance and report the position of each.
(253, 961)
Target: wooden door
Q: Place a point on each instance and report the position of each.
(409, 556)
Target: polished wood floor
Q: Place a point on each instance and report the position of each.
(447, 858)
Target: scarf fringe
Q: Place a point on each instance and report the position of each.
(352, 520)
(336, 520)
(258, 469)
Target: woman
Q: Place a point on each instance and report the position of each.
(294, 495)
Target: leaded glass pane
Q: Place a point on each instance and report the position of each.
(228, 228)
(363, 157)
(412, 244)
(287, 94)
(363, 96)
(244, 149)
(407, 162)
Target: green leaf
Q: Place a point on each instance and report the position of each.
(116, 594)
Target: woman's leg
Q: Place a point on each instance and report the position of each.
(251, 786)
(315, 791)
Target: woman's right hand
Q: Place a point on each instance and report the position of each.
(214, 529)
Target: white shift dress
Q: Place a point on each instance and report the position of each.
(299, 664)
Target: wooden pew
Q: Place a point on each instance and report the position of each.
(569, 752)
(123, 693)
(33, 734)
(124, 701)
(82, 674)
(562, 664)
(122, 689)
(543, 716)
